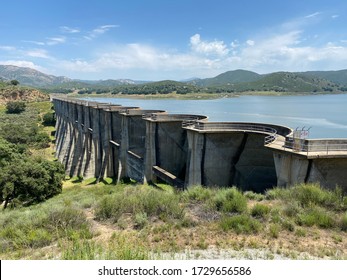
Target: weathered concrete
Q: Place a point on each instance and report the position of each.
(311, 160)
(166, 147)
(226, 154)
(132, 149)
(98, 140)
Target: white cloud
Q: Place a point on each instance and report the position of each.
(56, 40)
(313, 15)
(71, 30)
(335, 16)
(208, 48)
(7, 48)
(250, 42)
(234, 44)
(279, 52)
(39, 53)
(99, 31)
(34, 42)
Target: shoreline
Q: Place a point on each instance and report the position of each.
(198, 96)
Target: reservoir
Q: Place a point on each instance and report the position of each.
(324, 115)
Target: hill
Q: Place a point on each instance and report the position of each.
(339, 77)
(34, 78)
(288, 82)
(230, 81)
(30, 77)
(14, 93)
(22, 94)
(228, 78)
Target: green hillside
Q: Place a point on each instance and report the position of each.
(285, 82)
(339, 77)
(162, 87)
(230, 77)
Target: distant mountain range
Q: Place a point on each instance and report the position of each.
(231, 81)
(31, 77)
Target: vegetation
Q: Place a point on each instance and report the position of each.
(48, 119)
(107, 221)
(237, 81)
(26, 179)
(15, 107)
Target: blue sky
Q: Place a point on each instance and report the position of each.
(156, 40)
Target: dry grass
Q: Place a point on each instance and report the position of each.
(142, 235)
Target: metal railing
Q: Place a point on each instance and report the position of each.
(234, 126)
(324, 147)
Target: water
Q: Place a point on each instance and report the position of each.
(325, 115)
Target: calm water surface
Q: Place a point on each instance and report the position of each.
(325, 114)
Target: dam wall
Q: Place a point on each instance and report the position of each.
(106, 140)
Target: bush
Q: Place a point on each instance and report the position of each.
(24, 181)
(343, 223)
(198, 194)
(48, 119)
(316, 216)
(254, 196)
(274, 230)
(139, 200)
(229, 200)
(240, 224)
(15, 107)
(309, 195)
(260, 210)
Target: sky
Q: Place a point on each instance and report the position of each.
(179, 39)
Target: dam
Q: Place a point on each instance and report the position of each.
(103, 140)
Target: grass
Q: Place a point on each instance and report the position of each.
(119, 247)
(139, 202)
(307, 195)
(260, 210)
(229, 200)
(241, 224)
(107, 221)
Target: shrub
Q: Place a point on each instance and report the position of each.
(288, 225)
(120, 247)
(274, 230)
(316, 216)
(254, 196)
(240, 224)
(308, 195)
(230, 200)
(343, 223)
(15, 107)
(197, 193)
(48, 119)
(141, 220)
(24, 181)
(260, 210)
(140, 200)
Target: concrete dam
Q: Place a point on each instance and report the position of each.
(103, 140)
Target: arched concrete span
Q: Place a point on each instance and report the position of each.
(97, 140)
(167, 147)
(226, 154)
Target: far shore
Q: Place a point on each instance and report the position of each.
(194, 96)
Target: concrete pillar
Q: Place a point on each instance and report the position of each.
(124, 147)
(75, 169)
(150, 153)
(88, 155)
(290, 169)
(195, 158)
(105, 134)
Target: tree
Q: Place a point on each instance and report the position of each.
(48, 119)
(15, 107)
(25, 180)
(14, 82)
